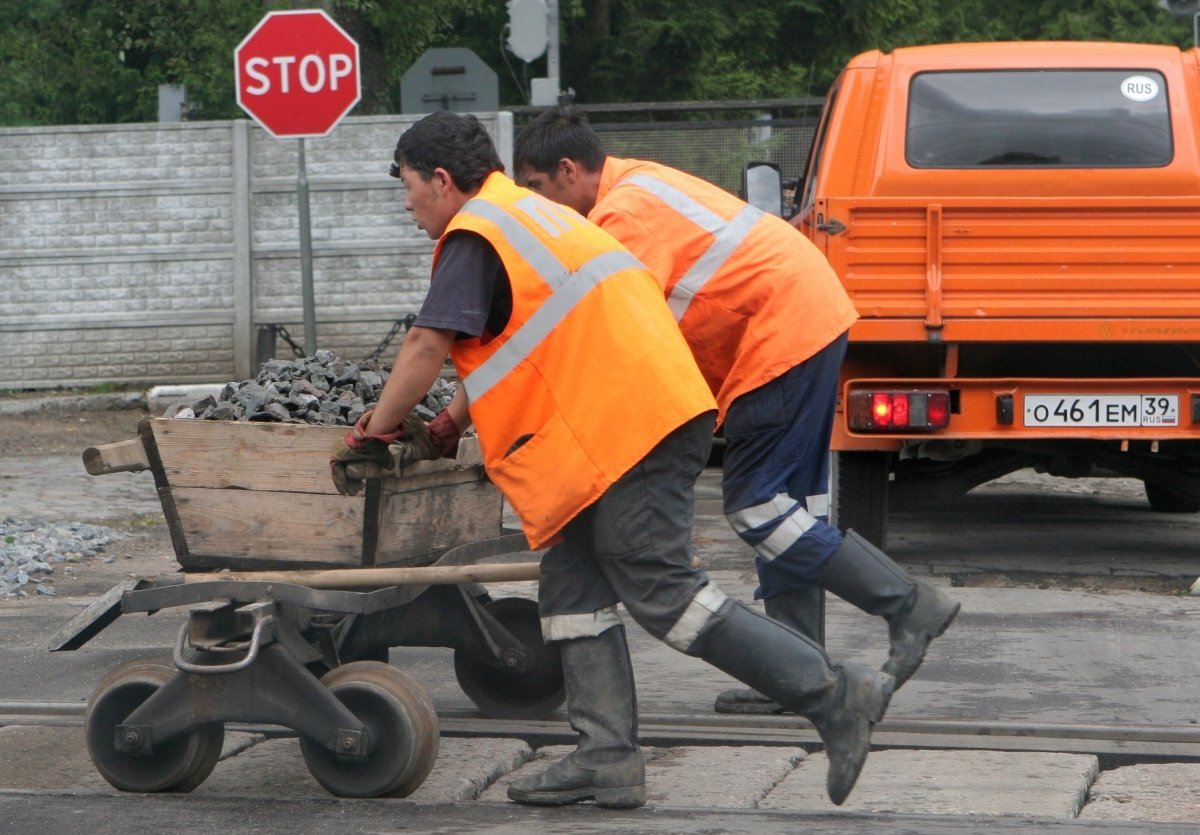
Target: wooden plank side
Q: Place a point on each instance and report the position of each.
(248, 529)
(251, 456)
(277, 457)
(415, 527)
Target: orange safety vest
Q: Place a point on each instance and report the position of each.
(589, 374)
(753, 297)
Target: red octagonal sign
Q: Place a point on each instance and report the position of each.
(297, 73)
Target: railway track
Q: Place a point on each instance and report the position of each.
(1112, 744)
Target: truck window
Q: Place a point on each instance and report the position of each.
(1038, 119)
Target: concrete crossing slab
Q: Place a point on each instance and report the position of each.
(949, 783)
(1162, 792)
(702, 777)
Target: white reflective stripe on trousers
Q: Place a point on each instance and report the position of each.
(818, 505)
(749, 518)
(569, 288)
(695, 617)
(793, 522)
(727, 237)
(587, 625)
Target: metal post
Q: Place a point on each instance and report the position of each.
(306, 271)
(552, 74)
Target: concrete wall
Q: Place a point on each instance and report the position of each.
(152, 253)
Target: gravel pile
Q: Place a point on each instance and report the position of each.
(322, 390)
(30, 548)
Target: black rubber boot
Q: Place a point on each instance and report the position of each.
(803, 609)
(843, 702)
(607, 767)
(916, 612)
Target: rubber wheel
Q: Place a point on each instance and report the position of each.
(402, 728)
(177, 765)
(1165, 500)
(504, 694)
(859, 488)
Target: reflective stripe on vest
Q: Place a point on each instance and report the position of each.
(569, 288)
(727, 237)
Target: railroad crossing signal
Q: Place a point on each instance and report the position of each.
(297, 73)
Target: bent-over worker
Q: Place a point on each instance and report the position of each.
(767, 320)
(556, 330)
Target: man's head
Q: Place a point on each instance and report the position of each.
(443, 160)
(559, 156)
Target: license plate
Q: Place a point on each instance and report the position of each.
(1101, 410)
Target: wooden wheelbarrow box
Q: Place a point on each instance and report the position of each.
(245, 495)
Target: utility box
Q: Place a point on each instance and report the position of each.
(449, 78)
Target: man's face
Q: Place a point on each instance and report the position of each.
(561, 186)
(429, 201)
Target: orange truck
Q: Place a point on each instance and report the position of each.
(1019, 227)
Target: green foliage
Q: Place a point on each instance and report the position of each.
(97, 61)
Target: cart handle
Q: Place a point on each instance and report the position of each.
(210, 669)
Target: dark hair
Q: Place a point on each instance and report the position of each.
(452, 141)
(554, 134)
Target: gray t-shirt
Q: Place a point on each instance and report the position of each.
(469, 292)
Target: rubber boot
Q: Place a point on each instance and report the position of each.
(843, 702)
(607, 767)
(803, 609)
(916, 612)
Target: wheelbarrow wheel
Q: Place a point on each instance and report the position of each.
(402, 731)
(179, 764)
(502, 693)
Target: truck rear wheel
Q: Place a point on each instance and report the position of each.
(1165, 500)
(859, 489)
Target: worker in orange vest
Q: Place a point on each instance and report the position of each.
(767, 320)
(555, 330)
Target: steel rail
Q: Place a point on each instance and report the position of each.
(1136, 742)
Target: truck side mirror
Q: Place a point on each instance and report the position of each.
(762, 185)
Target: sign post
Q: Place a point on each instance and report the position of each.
(297, 74)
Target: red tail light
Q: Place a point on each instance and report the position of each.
(899, 411)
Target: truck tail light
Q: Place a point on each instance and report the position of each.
(899, 411)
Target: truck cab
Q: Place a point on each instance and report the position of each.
(1018, 225)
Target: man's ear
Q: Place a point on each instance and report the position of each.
(443, 177)
(569, 170)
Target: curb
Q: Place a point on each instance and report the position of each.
(74, 403)
(156, 400)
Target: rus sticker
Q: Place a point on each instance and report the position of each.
(1139, 88)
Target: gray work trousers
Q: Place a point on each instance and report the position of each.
(634, 546)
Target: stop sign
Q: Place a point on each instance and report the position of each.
(297, 73)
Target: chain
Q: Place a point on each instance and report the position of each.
(403, 323)
(282, 332)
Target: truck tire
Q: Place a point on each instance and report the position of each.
(859, 489)
(1165, 500)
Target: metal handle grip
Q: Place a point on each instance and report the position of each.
(212, 669)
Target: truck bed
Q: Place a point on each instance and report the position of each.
(1091, 270)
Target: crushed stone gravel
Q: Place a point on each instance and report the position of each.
(322, 389)
(29, 549)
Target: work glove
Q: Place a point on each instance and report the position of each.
(358, 455)
(445, 434)
(438, 439)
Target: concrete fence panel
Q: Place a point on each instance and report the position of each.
(153, 253)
